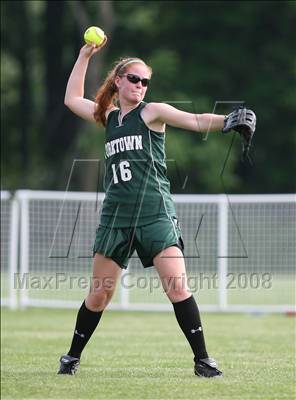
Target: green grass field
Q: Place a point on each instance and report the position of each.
(137, 355)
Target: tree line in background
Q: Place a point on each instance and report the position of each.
(205, 55)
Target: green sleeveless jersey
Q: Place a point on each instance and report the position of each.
(137, 191)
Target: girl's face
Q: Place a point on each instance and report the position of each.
(133, 92)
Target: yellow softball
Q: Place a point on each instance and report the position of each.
(94, 35)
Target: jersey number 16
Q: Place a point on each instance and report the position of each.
(125, 172)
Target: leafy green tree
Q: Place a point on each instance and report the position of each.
(202, 53)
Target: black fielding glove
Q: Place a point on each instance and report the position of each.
(243, 121)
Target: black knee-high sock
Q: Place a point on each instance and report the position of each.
(86, 323)
(188, 317)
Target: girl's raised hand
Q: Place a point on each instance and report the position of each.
(88, 50)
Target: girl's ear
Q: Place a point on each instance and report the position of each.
(117, 81)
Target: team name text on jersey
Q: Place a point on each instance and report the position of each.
(122, 144)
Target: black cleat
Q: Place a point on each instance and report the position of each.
(69, 365)
(207, 368)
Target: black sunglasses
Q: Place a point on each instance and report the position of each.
(135, 79)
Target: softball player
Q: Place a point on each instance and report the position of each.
(138, 212)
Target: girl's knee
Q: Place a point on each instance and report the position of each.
(98, 299)
(178, 295)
